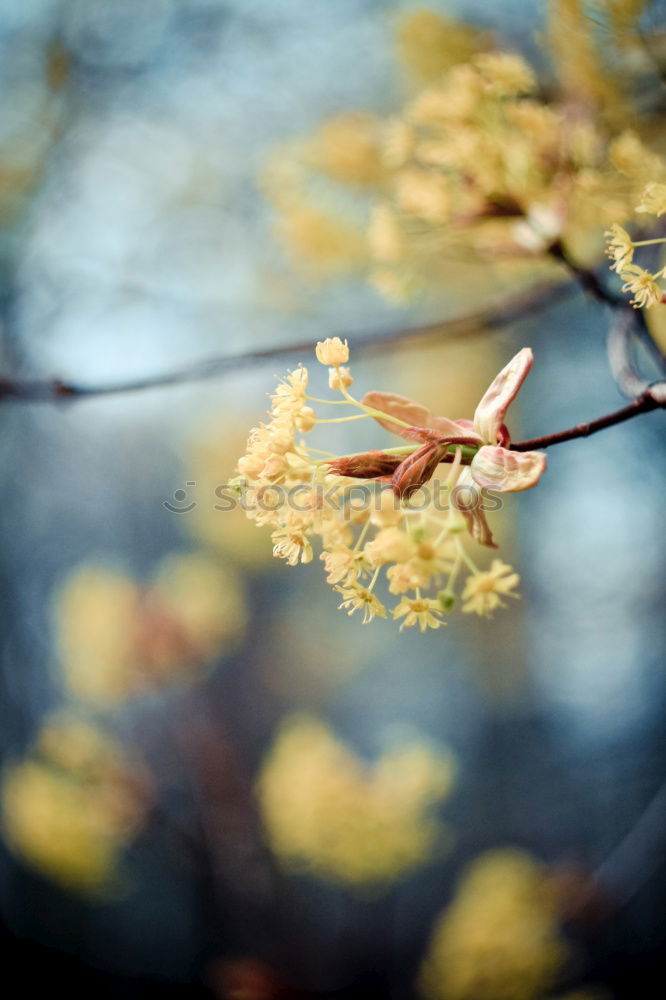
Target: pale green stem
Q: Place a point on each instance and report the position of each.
(450, 583)
(362, 534)
(648, 243)
(454, 471)
(328, 402)
(466, 559)
(320, 451)
(371, 411)
(342, 420)
(445, 530)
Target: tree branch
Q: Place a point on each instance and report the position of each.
(495, 317)
(653, 398)
(587, 279)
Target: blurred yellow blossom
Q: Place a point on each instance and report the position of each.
(119, 638)
(328, 812)
(318, 240)
(430, 43)
(347, 148)
(480, 166)
(72, 805)
(500, 938)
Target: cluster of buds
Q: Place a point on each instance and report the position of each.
(640, 282)
(390, 512)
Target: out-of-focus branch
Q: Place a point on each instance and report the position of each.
(627, 325)
(653, 398)
(494, 317)
(586, 278)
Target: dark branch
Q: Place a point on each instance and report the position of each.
(653, 398)
(495, 317)
(584, 277)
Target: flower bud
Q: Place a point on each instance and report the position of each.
(332, 351)
(446, 600)
(367, 465)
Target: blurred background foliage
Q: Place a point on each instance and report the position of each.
(213, 782)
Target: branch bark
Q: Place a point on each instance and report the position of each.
(653, 398)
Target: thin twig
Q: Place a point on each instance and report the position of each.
(651, 399)
(586, 278)
(624, 325)
(495, 317)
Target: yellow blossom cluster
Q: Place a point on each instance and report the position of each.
(479, 165)
(328, 812)
(385, 518)
(119, 638)
(72, 804)
(429, 43)
(500, 938)
(642, 283)
(598, 48)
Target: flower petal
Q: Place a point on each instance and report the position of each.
(490, 413)
(507, 471)
(455, 429)
(398, 406)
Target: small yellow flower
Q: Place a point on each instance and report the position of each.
(340, 564)
(292, 545)
(620, 247)
(280, 438)
(420, 611)
(250, 466)
(484, 591)
(403, 577)
(643, 284)
(289, 396)
(653, 200)
(390, 545)
(274, 467)
(332, 351)
(357, 597)
(306, 419)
